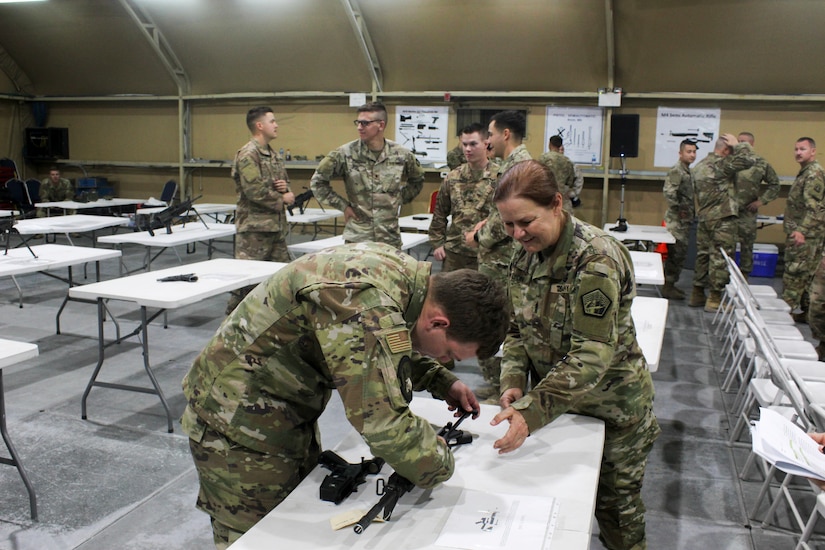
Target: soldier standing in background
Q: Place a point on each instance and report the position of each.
(751, 194)
(681, 210)
(467, 195)
(717, 211)
(568, 176)
(455, 156)
(263, 191)
(804, 227)
(362, 319)
(495, 246)
(374, 169)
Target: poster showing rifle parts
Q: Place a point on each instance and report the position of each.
(700, 126)
(423, 130)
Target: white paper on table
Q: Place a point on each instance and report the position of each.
(783, 443)
(485, 521)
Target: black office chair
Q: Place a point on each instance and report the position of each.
(33, 190)
(19, 195)
(168, 193)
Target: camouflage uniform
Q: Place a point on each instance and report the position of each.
(374, 188)
(804, 212)
(495, 251)
(455, 157)
(260, 219)
(816, 311)
(747, 191)
(717, 211)
(63, 191)
(573, 339)
(679, 195)
(565, 174)
(335, 320)
(467, 195)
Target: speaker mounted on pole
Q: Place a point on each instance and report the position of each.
(624, 136)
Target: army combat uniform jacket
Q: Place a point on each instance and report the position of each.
(565, 173)
(805, 209)
(376, 187)
(63, 191)
(714, 180)
(337, 319)
(572, 332)
(680, 198)
(495, 246)
(467, 196)
(748, 184)
(260, 206)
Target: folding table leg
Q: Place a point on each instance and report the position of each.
(15, 459)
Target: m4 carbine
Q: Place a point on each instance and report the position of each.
(165, 217)
(344, 478)
(300, 201)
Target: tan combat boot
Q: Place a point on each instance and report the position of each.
(672, 293)
(820, 351)
(697, 299)
(713, 302)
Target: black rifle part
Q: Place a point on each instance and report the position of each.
(7, 228)
(300, 201)
(345, 478)
(395, 487)
(167, 216)
(452, 435)
(186, 277)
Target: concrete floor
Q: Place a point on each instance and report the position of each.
(118, 480)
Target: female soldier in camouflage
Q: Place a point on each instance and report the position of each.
(572, 338)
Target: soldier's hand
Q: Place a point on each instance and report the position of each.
(439, 253)
(289, 198)
(281, 186)
(510, 396)
(517, 433)
(470, 239)
(730, 139)
(349, 214)
(819, 438)
(798, 238)
(461, 398)
(754, 206)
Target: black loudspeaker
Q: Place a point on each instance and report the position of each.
(46, 143)
(624, 136)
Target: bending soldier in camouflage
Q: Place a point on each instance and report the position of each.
(572, 339)
(358, 319)
(467, 195)
(262, 185)
(374, 169)
(804, 227)
(717, 211)
(681, 209)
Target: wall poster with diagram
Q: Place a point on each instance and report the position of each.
(581, 130)
(423, 130)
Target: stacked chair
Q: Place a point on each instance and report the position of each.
(775, 368)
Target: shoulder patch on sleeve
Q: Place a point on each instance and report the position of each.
(595, 303)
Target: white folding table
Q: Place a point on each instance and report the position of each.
(313, 216)
(12, 352)
(214, 277)
(211, 209)
(99, 203)
(561, 460)
(642, 236)
(75, 223)
(408, 241)
(191, 232)
(650, 318)
(46, 258)
(648, 268)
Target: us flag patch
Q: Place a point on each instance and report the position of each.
(399, 341)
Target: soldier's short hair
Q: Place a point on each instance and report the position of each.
(374, 107)
(809, 140)
(476, 305)
(748, 136)
(556, 141)
(254, 115)
(685, 142)
(531, 180)
(722, 145)
(475, 127)
(511, 120)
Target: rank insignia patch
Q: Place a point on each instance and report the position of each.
(399, 341)
(595, 303)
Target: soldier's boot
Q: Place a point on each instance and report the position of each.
(670, 292)
(713, 301)
(697, 299)
(820, 350)
(800, 317)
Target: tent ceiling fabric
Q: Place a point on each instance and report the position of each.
(93, 47)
